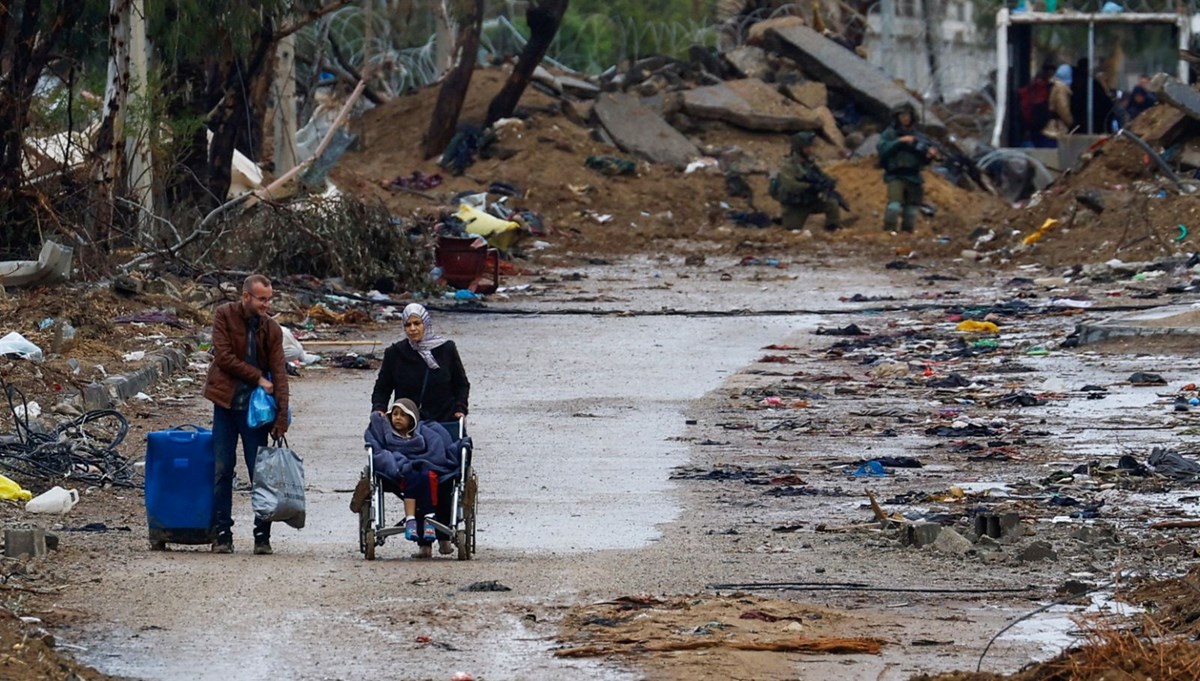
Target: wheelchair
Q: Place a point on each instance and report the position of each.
(455, 519)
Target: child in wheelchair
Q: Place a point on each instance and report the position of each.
(409, 455)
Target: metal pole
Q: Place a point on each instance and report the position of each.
(1001, 76)
(1185, 39)
(887, 14)
(1091, 82)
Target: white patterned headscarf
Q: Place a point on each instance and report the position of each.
(430, 340)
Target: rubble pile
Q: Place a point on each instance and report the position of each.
(698, 139)
(1118, 202)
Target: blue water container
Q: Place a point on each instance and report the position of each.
(180, 479)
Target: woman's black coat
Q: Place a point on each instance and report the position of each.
(405, 374)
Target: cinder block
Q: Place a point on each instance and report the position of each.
(24, 541)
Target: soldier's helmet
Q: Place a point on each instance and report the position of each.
(904, 107)
(802, 140)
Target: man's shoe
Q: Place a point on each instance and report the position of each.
(262, 548)
(361, 491)
(223, 544)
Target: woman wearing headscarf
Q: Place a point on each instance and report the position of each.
(425, 368)
(1061, 120)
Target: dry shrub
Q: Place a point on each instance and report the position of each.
(1173, 604)
(358, 241)
(1108, 654)
(1120, 655)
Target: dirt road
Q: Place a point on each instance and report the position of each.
(579, 421)
(576, 421)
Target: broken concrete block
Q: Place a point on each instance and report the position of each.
(1190, 156)
(828, 61)
(638, 130)
(579, 112)
(986, 543)
(1164, 129)
(1181, 96)
(867, 147)
(921, 534)
(24, 541)
(1010, 522)
(1038, 550)
(829, 127)
(810, 93)
(749, 61)
(758, 30)
(750, 104)
(949, 541)
(127, 285)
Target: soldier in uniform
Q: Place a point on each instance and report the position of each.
(902, 155)
(802, 188)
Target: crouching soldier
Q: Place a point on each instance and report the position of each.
(802, 188)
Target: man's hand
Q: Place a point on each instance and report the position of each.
(266, 385)
(932, 153)
(459, 414)
(908, 139)
(278, 432)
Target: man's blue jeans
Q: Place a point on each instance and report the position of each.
(228, 426)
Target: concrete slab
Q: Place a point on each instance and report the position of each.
(749, 61)
(829, 127)
(638, 130)
(833, 64)
(810, 93)
(1180, 320)
(751, 104)
(1183, 97)
(758, 30)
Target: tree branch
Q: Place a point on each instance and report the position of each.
(309, 17)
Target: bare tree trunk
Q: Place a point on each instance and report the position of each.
(932, 16)
(443, 42)
(544, 18)
(228, 119)
(454, 88)
(284, 94)
(137, 149)
(25, 51)
(109, 171)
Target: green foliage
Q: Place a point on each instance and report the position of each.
(597, 34)
(192, 29)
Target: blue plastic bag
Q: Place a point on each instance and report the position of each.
(262, 408)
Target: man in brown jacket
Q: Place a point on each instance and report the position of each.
(247, 348)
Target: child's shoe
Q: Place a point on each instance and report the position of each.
(430, 534)
(410, 529)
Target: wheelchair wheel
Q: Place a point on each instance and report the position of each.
(465, 538)
(366, 532)
(366, 528)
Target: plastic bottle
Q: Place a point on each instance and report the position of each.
(54, 500)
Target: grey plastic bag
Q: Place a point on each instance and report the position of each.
(278, 493)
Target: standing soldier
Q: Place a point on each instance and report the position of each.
(802, 188)
(902, 156)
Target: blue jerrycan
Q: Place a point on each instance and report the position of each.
(180, 479)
